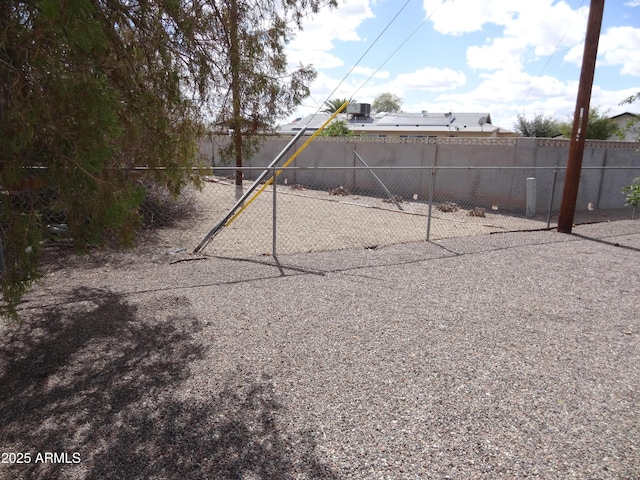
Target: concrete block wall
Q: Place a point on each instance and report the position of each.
(487, 185)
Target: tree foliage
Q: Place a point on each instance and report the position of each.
(89, 89)
(337, 128)
(599, 126)
(252, 83)
(633, 125)
(541, 126)
(632, 195)
(387, 102)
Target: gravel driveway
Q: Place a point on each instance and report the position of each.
(503, 356)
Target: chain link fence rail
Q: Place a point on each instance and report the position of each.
(311, 209)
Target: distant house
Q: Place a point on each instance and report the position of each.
(631, 134)
(311, 122)
(415, 125)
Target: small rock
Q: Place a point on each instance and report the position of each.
(339, 191)
(448, 207)
(477, 212)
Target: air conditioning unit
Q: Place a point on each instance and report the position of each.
(359, 109)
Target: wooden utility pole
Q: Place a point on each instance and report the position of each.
(580, 118)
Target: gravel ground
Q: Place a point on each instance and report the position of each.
(504, 356)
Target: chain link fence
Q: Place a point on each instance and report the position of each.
(313, 209)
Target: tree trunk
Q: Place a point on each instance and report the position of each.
(234, 54)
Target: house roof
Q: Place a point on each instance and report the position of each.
(425, 119)
(624, 114)
(312, 122)
(412, 123)
(423, 122)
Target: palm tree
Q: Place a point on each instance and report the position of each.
(332, 106)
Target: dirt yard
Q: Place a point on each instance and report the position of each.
(315, 221)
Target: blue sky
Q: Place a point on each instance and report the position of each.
(503, 57)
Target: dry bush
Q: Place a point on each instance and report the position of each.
(339, 191)
(477, 212)
(448, 207)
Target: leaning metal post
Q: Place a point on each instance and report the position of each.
(384, 187)
(240, 205)
(241, 201)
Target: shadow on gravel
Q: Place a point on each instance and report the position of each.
(605, 242)
(103, 389)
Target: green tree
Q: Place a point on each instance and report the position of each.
(541, 126)
(633, 125)
(387, 102)
(337, 128)
(599, 126)
(332, 106)
(89, 89)
(252, 82)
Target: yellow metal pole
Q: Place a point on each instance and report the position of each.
(286, 164)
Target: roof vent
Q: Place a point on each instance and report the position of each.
(359, 109)
(425, 113)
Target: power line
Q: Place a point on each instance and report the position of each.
(397, 49)
(555, 50)
(363, 55)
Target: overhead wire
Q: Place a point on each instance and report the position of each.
(397, 49)
(555, 50)
(386, 60)
(362, 56)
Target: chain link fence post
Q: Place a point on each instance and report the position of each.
(553, 192)
(275, 216)
(531, 197)
(432, 185)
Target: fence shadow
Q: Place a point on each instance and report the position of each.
(95, 379)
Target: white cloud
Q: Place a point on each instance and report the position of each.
(633, 3)
(368, 72)
(528, 28)
(509, 91)
(609, 100)
(514, 34)
(501, 53)
(429, 78)
(546, 27)
(317, 58)
(455, 17)
(621, 46)
(313, 44)
(618, 46)
(324, 85)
